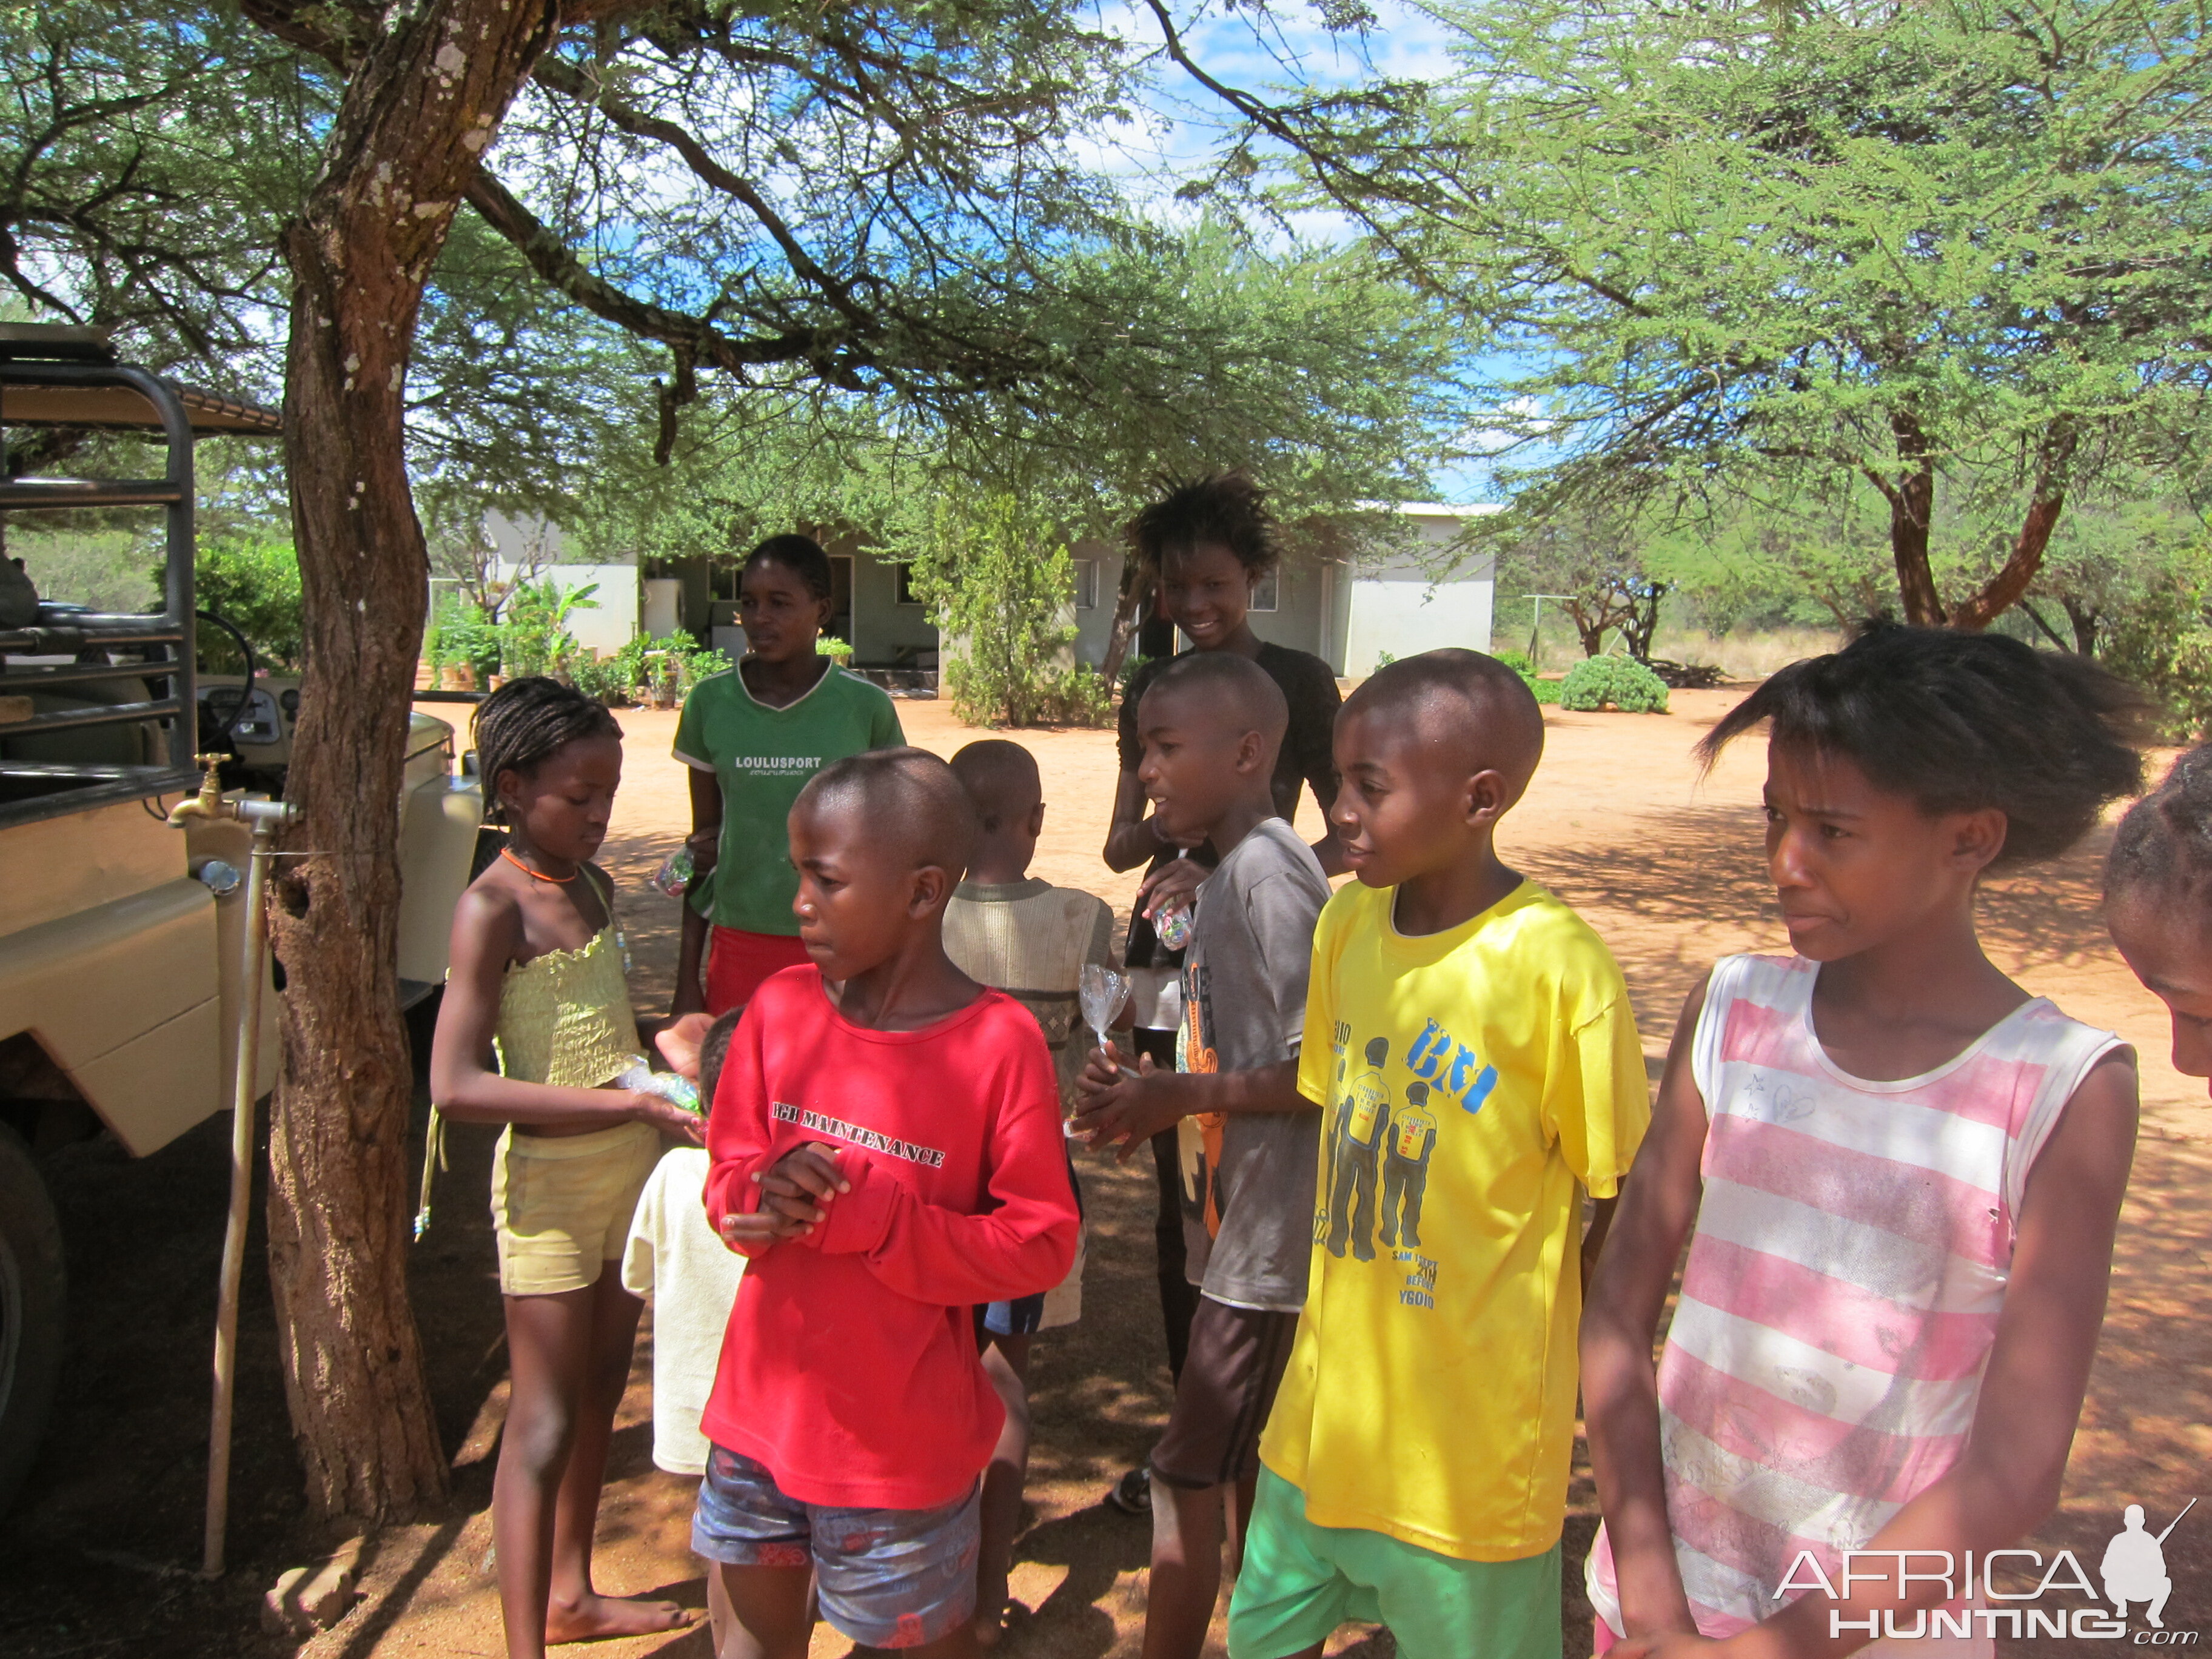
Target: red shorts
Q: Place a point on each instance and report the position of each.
(737, 962)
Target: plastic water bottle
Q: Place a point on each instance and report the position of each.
(1172, 920)
(675, 873)
(671, 1086)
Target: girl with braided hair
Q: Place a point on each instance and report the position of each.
(537, 974)
(2158, 902)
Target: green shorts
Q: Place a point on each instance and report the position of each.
(1300, 1582)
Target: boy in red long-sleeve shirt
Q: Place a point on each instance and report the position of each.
(887, 1151)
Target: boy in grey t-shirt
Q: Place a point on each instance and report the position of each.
(1210, 724)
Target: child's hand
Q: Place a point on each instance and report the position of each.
(756, 1232)
(1102, 1071)
(664, 1114)
(1176, 878)
(680, 1041)
(801, 1188)
(705, 845)
(1130, 1111)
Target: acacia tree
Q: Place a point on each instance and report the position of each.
(1720, 250)
(873, 203)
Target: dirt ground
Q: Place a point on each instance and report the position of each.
(1669, 871)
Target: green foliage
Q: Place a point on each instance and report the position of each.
(533, 627)
(461, 635)
(1589, 561)
(1384, 658)
(1621, 681)
(644, 663)
(2162, 640)
(254, 584)
(1730, 254)
(838, 651)
(105, 569)
(996, 575)
(1545, 691)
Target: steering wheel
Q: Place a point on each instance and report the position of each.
(225, 722)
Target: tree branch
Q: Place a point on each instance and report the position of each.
(565, 78)
(831, 352)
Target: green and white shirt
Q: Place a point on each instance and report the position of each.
(762, 757)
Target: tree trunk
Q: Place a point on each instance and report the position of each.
(1912, 511)
(1136, 594)
(2054, 459)
(420, 106)
(2085, 621)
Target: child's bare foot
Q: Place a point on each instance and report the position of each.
(597, 1617)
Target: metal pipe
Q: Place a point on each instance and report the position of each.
(32, 494)
(36, 679)
(266, 818)
(113, 714)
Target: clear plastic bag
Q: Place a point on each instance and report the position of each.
(671, 1086)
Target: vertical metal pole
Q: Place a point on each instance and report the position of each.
(177, 596)
(242, 1116)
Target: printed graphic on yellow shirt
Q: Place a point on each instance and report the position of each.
(1450, 1067)
(1379, 1151)
(1361, 1113)
(1405, 1169)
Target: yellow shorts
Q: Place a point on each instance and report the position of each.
(561, 1204)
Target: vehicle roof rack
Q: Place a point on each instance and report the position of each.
(56, 376)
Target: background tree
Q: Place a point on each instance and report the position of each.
(2106, 564)
(1592, 563)
(1735, 249)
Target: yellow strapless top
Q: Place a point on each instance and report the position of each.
(564, 1016)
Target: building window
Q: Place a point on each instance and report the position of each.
(1086, 584)
(906, 594)
(1265, 591)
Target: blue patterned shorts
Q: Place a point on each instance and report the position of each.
(887, 1578)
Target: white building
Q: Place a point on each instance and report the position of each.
(1350, 612)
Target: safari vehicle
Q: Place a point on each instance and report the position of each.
(122, 974)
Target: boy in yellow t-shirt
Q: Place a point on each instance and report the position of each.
(1471, 1040)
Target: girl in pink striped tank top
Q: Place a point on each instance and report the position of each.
(1898, 1174)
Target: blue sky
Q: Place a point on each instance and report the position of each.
(1263, 51)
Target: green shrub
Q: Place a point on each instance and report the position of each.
(254, 584)
(1518, 662)
(1076, 696)
(460, 633)
(993, 568)
(838, 651)
(2163, 643)
(534, 628)
(1622, 682)
(630, 670)
(1547, 691)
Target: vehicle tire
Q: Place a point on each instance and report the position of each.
(33, 1299)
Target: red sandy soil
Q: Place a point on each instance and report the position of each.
(1668, 870)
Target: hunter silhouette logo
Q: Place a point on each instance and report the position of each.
(2134, 1568)
(1978, 1600)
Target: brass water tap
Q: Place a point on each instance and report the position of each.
(208, 803)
